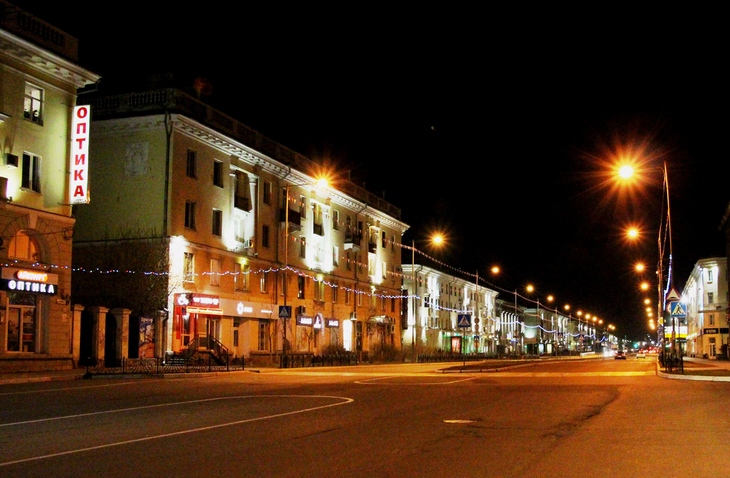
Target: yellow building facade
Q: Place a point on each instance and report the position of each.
(39, 78)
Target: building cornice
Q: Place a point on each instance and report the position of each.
(45, 62)
(244, 155)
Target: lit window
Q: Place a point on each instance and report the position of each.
(264, 284)
(33, 104)
(319, 290)
(22, 247)
(188, 267)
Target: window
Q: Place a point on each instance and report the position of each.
(335, 220)
(303, 207)
(188, 267)
(263, 334)
(384, 239)
(359, 296)
(267, 192)
(392, 243)
(215, 272)
(242, 199)
(243, 274)
(347, 296)
(246, 269)
(712, 319)
(335, 255)
(348, 260)
(22, 324)
(710, 298)
(335, 291)
(217, 229)
(218, 173)
(191, 169)
(303, 247)
(22, 247)
(31, 172)
(264, 282)
(300, 287)
(384, 270)
(318, 226)
(319, 290)
(265, 236)
(709, 276)
(190, 215)
(33, 104)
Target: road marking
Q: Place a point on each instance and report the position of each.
(345, 400)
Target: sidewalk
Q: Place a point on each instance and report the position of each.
(694, 369)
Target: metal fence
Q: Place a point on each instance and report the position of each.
(166, 365)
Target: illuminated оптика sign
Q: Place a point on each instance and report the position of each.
(29, 280)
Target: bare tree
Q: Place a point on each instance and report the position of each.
(131, 272)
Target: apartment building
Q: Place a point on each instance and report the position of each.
(705, 299)
(202, 233)
(43, 139)
(447, 313)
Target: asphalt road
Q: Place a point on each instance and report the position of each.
(566, 419)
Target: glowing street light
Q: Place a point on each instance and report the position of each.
(437, 240)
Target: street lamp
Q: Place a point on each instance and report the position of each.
(664, 245)
(437, 240)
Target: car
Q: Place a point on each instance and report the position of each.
(641, 354)
(619, 355)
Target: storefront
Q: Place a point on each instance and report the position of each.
(28, 293)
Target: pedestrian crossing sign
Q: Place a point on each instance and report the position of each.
(677, 309)
(464, 320)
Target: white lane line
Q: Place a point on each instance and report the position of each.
(371, 381)
(344, 401)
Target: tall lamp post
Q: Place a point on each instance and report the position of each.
(664, 245)
(438, 240)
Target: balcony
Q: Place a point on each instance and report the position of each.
(352, 241)
(295, 219)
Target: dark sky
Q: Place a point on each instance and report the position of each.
(491, 126)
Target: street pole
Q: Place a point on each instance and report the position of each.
(286, 266)
(414, 300)
(662, 238)
(476, 309)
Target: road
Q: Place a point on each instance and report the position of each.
(568, 419)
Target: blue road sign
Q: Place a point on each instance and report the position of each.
(464, 320)
(677, 309)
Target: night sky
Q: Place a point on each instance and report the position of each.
(492, 127)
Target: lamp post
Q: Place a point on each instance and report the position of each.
(415, 298)
(664, 245)
(438, 240)
(286, 266)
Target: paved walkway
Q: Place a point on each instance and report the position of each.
(694, 369)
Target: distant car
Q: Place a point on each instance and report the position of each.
(641, 354)
(619, 355)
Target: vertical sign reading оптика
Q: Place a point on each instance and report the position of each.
(79, 161)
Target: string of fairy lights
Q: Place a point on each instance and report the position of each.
(352, 262)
